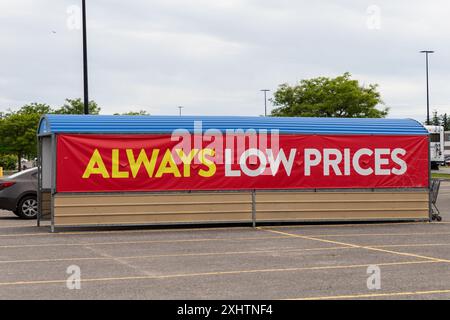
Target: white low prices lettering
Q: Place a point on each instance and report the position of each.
(268, 162)
(329, 162)
(378, 161)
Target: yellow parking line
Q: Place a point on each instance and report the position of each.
(358, 246)
(137, 242)
(217, 273)
(143, 230)
(64, 233)
(287, 250)
(27, 234)
(411, 245)
(380, 234)
(375, 295)
(198, 254)
(16, 226)
(148, 230)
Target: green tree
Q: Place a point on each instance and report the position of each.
(76, 106)
(133, 113)
(18, 135)
(35, 108)
(18, 130)
(328, 97)
(8, 161)
(435, 121)
(445, 122)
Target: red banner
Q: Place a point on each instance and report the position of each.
(109, 163)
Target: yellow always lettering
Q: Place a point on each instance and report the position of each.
(96, 166)
(167, 166)
(115, 172)
(135, 164)
(187, 160)
(207, 162)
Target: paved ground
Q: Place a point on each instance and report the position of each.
(282, 262)
(444, 170)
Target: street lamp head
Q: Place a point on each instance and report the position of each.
(427, 51)
(265, 90)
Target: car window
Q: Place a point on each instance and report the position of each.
(20, 173)
(435, 137)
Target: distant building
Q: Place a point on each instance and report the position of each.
(446, 143)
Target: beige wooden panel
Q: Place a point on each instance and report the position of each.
(158, 208)
(46, 205)
(152, 208)
(272, 206)
(150, 219)
(149, 198)
(343, 196)
(237, 207)
(343, 215)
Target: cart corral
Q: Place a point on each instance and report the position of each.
(133, 170)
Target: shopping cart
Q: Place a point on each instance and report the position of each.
(434, 191)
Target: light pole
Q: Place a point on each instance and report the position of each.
(265, 101)
(428, 90)
(180, 107)
(85, 66)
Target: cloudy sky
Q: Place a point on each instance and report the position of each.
(213, 56)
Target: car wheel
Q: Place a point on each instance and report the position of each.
(27, 208)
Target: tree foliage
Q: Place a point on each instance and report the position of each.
(8, 161)
(445, 122)
(18, 131)
(133, 113)
(441, 120)
(76, 106)
(328, 97)
(18, 128)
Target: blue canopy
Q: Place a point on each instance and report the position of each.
(54, 124)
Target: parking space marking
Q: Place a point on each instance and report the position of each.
(359, 246)
(375, 295)
(43, 233)
(217, 273)
(137, 242)
(411, 245)
(379, 234)
(199, 254)
(63, 233)
(269, 250)
(16, 226)
(143, 230)
(120, 261)
(27, 234)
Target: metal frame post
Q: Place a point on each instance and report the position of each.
(430, 208)
(428, 91)
(39, 189)
(427, 52)
(265, 101)
(53, 187)
(254, 208)
(85, 61)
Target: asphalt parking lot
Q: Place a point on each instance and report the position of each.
(271, 262)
